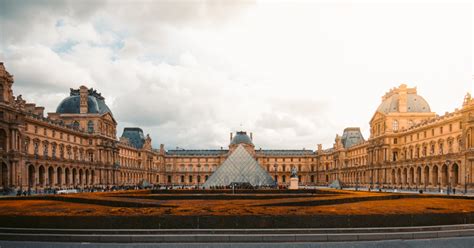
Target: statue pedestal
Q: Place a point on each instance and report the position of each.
(293, 183)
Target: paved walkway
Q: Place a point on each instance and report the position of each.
(467, 242)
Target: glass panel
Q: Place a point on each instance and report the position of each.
(239, 167)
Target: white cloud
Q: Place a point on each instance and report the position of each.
(190, 72)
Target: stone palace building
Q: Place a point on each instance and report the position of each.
(77, 146)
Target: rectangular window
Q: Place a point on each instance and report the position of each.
(441, 130)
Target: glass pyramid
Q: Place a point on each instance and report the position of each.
(239, 167)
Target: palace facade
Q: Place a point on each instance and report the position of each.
(77, 146)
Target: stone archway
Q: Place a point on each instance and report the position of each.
(67, 175)
(50, 176)
(4, 176)
(31, 176)
(455, 173)
(412, 176)
(42, 175)
(405, 177)
(3, 140)
(393, 178)
(426, 175)
(87, 177)
(399, 177)
(444, 175)
(418, 175)
(434, 177)
(59, 175)
(74, 176)
(81, 177)
(92, 177)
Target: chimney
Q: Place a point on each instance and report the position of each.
(251, 136)
(162, 149)
(84, 93)
(402, 98)
(230, 136)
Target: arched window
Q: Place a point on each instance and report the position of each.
(75, 124)
(90, 127)
(395, 125)
(3, 140)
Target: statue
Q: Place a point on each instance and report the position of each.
(294, 172)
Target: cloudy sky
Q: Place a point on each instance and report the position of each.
(190, 72)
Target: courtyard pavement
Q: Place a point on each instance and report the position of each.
(422, 243)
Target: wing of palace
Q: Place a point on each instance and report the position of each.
(77, 147)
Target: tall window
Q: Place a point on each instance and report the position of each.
(3, 139)
(90, 127)
(395, 125)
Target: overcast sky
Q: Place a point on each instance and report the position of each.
(189, 72)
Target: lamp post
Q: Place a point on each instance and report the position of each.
(276, 175)
(198, 177)
(357, 177)
(466, 178)
(448, 187)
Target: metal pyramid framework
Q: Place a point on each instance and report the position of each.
(239, 167)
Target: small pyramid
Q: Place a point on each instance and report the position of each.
(239, 167)
(336, 184)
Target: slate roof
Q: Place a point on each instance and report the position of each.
(285, 152)
(183, 152)
(415, 104)
(241, 137)
(95, 104)
(351, 137)
(135, 136)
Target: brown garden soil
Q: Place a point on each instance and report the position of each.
(184, 209)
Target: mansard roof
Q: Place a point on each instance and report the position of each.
(135, 136)
(95, 103)
(352, 136)
(285, 152)
(183, 152)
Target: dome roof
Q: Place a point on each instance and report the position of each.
(415, 103)
(95, 104)
(241, 137)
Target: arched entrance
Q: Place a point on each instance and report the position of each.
(31, 176)
(455, 175)
(81, 177)
(394, 179)
(405, 177)
(74, 176)
(3, 140)
(59, 174)
(50, 176)
(87, 177)
(93, 177)
(418, 175)
(434, 178)
(4, 176)
(426, 176)
(42, 175)
(444, 175)
(412, 175)
(67, 175)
